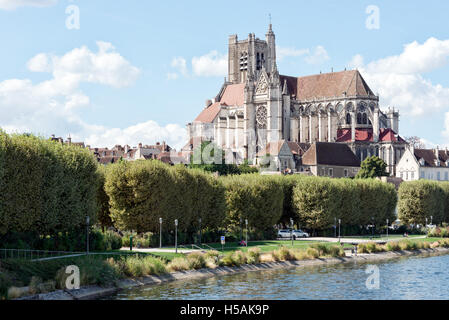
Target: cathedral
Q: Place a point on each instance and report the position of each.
(257, 108)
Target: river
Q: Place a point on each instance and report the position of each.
(414, 278)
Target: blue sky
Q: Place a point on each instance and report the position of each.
(143, 86)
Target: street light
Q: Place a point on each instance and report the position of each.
(291, 232)
(200, 229)
(176, 235)
(246, 223)
(431, 220)
(339, 228)
(335, 227)
(160, 232)
(241, 230)
(87, 234)
(426, 222)
(388, 222)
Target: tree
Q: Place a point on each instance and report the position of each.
(416, 142)
(372, 167)
(211, 158)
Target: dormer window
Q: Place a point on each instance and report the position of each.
(422, 162)
(437, 163)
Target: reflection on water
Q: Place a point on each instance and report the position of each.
(411, 278)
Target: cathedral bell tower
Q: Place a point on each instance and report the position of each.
(246, 58)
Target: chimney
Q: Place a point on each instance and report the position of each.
(140, 145)
(208, 103)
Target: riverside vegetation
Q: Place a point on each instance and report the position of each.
(47, 190)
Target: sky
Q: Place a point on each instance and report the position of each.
(124, 72)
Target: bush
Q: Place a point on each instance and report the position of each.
(141, 192)
(419, 200)
(319, 201)
(312, 253)
(256, 198)
(178, 264)
(63, 190)
(196, 260)
(253, 256)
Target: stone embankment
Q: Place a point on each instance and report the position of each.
(95, 292)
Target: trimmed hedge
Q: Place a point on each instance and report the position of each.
(45, 187)
(141, 192)
(259, 199)
(422, 199)
(318, 201)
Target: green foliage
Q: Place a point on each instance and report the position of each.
(372, 167)
(256, 198)
(318, 201)
(141, 192)
(422, 199)
(45, 187)
(104, 214)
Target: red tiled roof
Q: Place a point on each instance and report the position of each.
(234, 95)
(298, 148)
(272, 148)
(385, 135)
(209, 114)
(327, 85)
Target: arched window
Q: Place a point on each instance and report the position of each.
(359, 118)
(365, 119)
(348, 118)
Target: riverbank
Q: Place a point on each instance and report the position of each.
(95, 292)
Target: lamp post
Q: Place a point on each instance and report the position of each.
(335, 227)
(160, 233)
(241, 230)
(87, 234)
(339, 229)
(291, 232)
(246, 223)
(372, 228)
(388, 222)
(199, 220)
(176, 235)
(426, 222)
(431, 220)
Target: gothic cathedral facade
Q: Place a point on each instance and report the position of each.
(257, 107)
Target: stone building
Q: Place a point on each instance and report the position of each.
(257, 106)
(326, 159)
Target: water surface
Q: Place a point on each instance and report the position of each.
(406, 278)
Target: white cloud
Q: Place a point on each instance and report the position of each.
(14, 4)
(52, 106)
(282, 53)
(399, 79)
(317, 55)
(212, 64)
(181, 64)
(147, 132)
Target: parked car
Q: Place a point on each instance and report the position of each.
(285, 233)
(300, 234)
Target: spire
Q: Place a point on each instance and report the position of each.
(270, 26)
(285, 89)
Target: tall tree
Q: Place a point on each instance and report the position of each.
(416, 142)
(372, 167)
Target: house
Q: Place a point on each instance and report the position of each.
(328, 159)
(430, 164)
